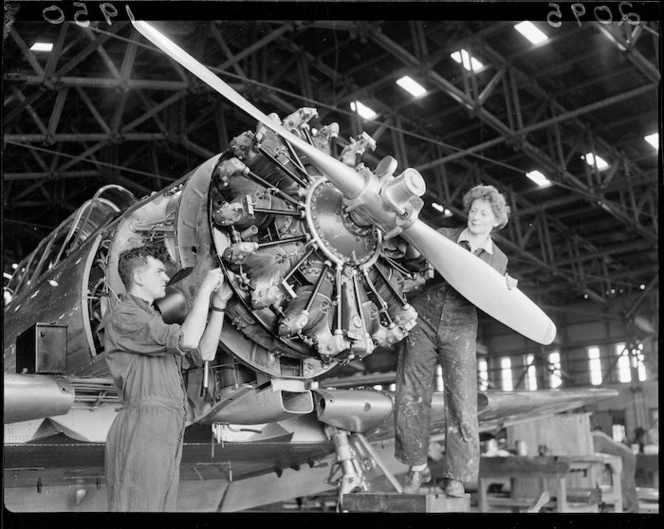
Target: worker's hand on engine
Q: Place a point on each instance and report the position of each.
(212, 280)
(222, 295)
(511, 282)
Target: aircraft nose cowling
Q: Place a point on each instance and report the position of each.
(173, 306)
(29, 397)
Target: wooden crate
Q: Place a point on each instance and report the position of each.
(561, 434)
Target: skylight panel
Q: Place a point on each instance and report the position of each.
(591, 159)
(539, 178)
(411, 86)
(42, 46)
(468, 61)
(362, 110)
(531, 32)
(653, 139)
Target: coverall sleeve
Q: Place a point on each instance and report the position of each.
(498, 260)
(141, 333)
(192, 359)
(502, 265)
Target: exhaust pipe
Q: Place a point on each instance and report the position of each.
(353, 410)
(249, 405)
(29, 397)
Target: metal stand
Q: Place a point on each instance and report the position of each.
(352, 487)
(352, 475)
(352, 470)
(367, 446)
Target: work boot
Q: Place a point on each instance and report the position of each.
(453, 488)
(415, 479)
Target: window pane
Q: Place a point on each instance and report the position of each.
(506, 374)
(618, 433)
(531, 376)
(595, 365)
(641, 366)
(439, 379)
(555, 374)
(483, 374)
(624, 371)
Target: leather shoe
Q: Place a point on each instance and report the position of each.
(454, 488)
(415, 479)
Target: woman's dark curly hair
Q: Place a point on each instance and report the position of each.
(498, 204)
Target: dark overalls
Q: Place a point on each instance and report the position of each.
(446, 333)
(144, 443)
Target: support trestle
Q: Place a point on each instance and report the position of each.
(351, 468)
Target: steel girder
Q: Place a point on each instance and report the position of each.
(535, 231)
(471, 98)
(577, 277)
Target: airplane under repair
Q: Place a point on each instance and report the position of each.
(315, 246)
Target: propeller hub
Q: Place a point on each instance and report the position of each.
(342, 240)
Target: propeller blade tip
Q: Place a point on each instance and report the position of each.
(550, 334)
(131, 16)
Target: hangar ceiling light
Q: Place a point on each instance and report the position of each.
(531, 32)
(41, 46)
(362, 110)
(469, 62)
(446, 212)
(591, 159)
(411, 86)
(539, 178)
(653, 139)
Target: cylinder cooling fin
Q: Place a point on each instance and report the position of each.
(316, 283)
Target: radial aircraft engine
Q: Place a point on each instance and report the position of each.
(316, 283)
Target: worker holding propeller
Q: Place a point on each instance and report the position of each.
(446, 333)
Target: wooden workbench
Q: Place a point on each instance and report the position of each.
(647, 470)
(530, 476)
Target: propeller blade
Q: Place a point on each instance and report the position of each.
(480, 284)
(347, 180)
(472, 277)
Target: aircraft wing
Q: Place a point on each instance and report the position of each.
(222, 470)
(497, 409)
